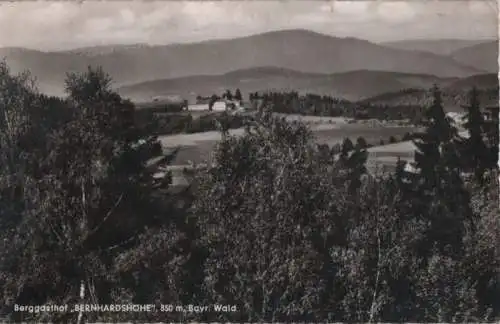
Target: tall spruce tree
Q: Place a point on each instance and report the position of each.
(361, 143)
(228, 95)
(356, 165)
(400, 172)
(237, 95)
(440, 196)
(212, 101)
(439, 131)
(474, 150)
(346, 147)
(353, 159)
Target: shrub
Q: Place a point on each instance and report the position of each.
(282, 228)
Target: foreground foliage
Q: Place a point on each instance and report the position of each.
(277, 226)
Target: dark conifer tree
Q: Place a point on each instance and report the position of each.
(356, 166)
(347, 146)
(237, 95)
(428, 143)
(361, 143)
(352, 159)
(228, 95)
(212, 101)
(474, 150)
(439, 193)
(400, 169)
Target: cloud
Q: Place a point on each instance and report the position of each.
(395, 11)
(57, 25)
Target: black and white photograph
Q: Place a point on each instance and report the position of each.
(249, 161)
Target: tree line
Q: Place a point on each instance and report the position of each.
(280, 228)
(176, 123)
(420, 97)
(316, 105)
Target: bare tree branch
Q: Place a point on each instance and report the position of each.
(110, 212)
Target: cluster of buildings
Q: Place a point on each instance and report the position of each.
(203, 104)
(178, 103)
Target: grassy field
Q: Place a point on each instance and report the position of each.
(386, 156)
(382, 158)
(194, 114)
(197, 148)
(372, 135)
(314, 119)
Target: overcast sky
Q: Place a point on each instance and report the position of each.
(62, 25)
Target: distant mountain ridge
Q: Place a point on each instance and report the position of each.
(483, 56)
(454, 93)
(104, 49)
(353, 85)
(480, 81)
(436, 46)
(299, 50)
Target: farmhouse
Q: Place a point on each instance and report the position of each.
(199, 107)
(221, 105)
(218, 105)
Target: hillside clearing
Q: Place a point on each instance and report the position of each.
(383, 157)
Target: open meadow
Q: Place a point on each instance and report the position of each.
(197, 148)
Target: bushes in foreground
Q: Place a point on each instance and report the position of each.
(280, 228)
(305, 247)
